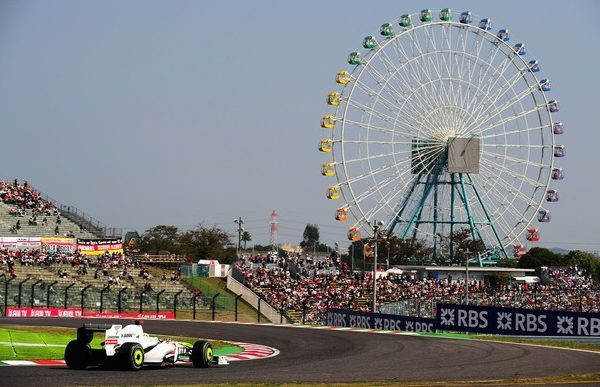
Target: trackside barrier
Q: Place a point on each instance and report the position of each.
(253, 299)
(517, 321)
(72, 312)
(84, 297)
(387, 322)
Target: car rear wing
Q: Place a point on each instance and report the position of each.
(96, 327)
(85, 333)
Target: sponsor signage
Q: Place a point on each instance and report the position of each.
(72, 312)
(100, 246)
(58, 244)
(516, 321)
(387, 322)
(12, 243)
(42, 312)
(159, 316)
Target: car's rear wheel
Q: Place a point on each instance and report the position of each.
(131, 356)
(77, 355)
(202, 354)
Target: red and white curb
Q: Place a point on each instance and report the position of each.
(33, 362)
(250, 352)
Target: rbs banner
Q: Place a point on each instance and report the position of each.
(388, 322)
(515, 321)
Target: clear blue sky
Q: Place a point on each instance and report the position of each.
(185, 112)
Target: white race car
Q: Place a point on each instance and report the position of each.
(128, 347)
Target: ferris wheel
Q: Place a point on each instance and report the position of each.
(442, 125)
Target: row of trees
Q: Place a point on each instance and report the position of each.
(198, 243)
(538, 257)
(204, 242)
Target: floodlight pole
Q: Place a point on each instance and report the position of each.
(239, 222)
(467, 252)
(376, 226)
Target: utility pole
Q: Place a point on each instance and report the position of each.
(376, 227)
(467, 252)
(239, 222)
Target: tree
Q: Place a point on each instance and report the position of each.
(160, 238)
(584, 260)
(246, 237)
(408, 251)
(207, 243)
(310, 239)
(462, 241)
(537, 257)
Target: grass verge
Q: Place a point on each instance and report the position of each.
(48, 343)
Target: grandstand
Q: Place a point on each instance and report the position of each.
(319, 285)
(21, 202)
(56, 277)
(66, 226)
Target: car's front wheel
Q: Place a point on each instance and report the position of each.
(202, 354)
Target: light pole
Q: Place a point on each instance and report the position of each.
(467, 252)
(376, 227)
(352, 257)
(239, 222)
(337, 246)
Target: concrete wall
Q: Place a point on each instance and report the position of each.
(251, 298)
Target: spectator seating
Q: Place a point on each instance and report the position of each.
(21, 203)
(325, 285)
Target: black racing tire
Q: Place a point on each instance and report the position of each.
(131, 356)
(202, 354)
(77, 355)
(84, 335)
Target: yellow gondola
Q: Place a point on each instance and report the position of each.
(326, 145)
(328, 122)
(333, 98)
(342, 77)
(333, 192)
(327, 169)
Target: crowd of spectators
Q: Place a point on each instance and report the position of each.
(319, 284)
(26, 202)
(110, 269)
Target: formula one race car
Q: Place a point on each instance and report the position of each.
(128, 347)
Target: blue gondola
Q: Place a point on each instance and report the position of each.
(466, 17)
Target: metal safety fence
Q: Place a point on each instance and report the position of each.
(28, 293)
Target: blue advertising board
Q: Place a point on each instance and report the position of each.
(353, 319)
(516, 321)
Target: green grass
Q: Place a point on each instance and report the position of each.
(546, 342)
(49, 343)
(519, 340)
(225, 301)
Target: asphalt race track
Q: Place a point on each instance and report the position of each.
(311, 355)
